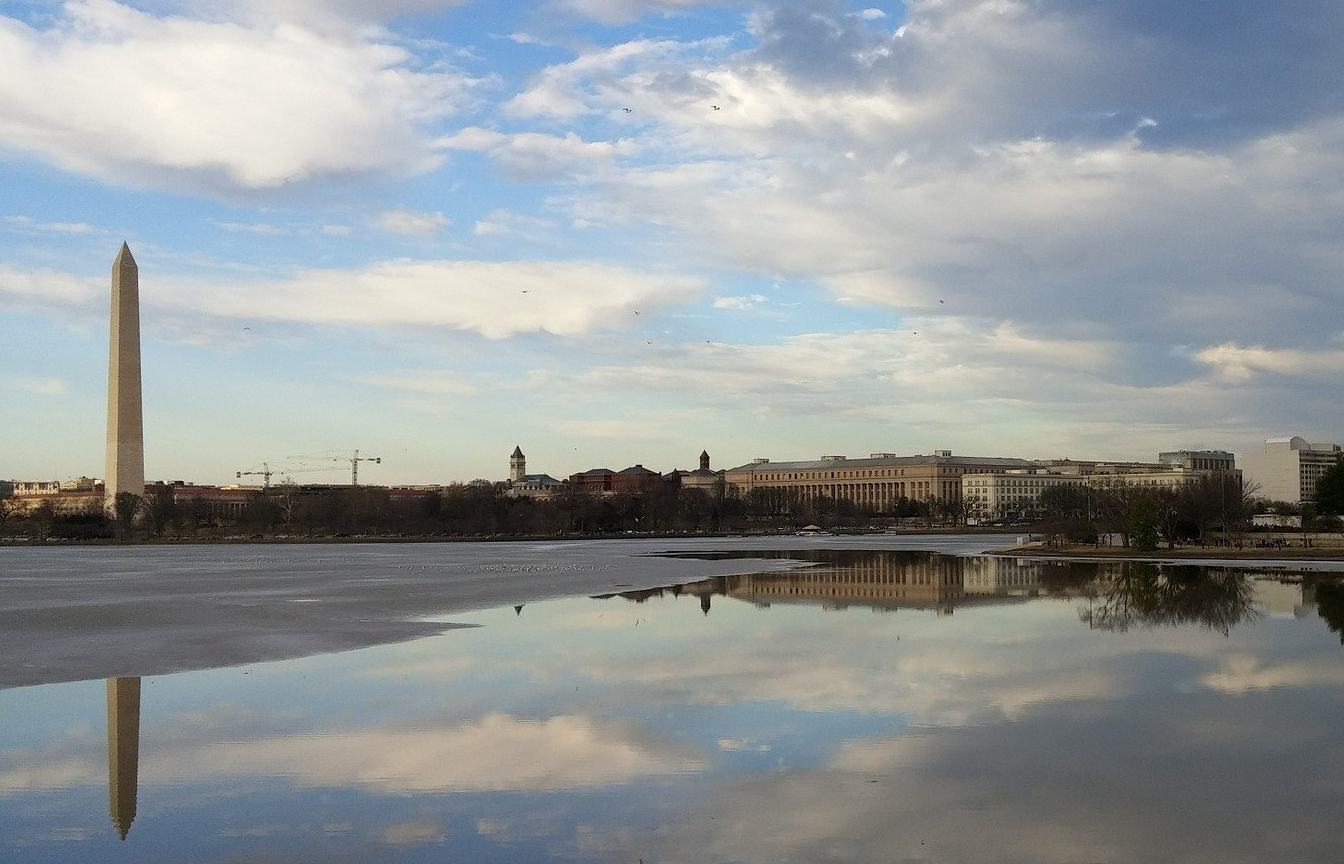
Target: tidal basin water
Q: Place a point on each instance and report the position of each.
(833, 705)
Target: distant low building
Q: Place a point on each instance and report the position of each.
(628, 481)
(1276, 520)
(210, 502)
(55, 487)
(878, 482)
(1286, 469)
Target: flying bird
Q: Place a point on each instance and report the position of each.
(715, 107)
(627, 110)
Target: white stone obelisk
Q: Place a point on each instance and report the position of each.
(125, 425)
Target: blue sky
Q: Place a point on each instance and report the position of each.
(620, 231)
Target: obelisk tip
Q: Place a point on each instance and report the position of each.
(124, 257)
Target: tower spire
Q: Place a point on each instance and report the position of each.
(517, 465)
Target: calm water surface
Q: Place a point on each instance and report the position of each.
(875, 707)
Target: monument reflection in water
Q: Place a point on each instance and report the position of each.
(866, 706)
(123, 750)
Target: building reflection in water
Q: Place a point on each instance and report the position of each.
(882, 580)
(1116, 595)
(123, 750)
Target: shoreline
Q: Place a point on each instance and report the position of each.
(294, 539)
(1203, 553)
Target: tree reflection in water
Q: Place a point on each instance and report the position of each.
(1330, 604)
(1137, 594)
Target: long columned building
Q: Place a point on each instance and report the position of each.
(878, 482)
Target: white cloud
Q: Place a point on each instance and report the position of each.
(918, 181)
(28, 225)
(124, 96)
(535, 156)
(1236, 363)
(497, 299)
(264, 228)
(43, 386)
(739, 302)
(47, 287)
(506, 222)
(624, 11)
(411, 223)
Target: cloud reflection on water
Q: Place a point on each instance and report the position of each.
(988, 724)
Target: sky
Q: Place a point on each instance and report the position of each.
(623, 231)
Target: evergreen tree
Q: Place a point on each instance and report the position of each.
(1330, 490)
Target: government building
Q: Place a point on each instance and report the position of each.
(878, 482)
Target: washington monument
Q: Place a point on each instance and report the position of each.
(125, 427)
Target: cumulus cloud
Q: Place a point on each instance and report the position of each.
(1010, 160)
(1238, 363)
(411, 223)
(536, 156)
(125, 96)
(495, 299)
(22, 287)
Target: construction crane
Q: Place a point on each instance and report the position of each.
(354, 465)
(265, 473)
(353, 459)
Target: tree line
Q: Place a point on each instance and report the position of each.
(1211, 509)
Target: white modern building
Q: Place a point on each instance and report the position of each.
(1286, 469)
